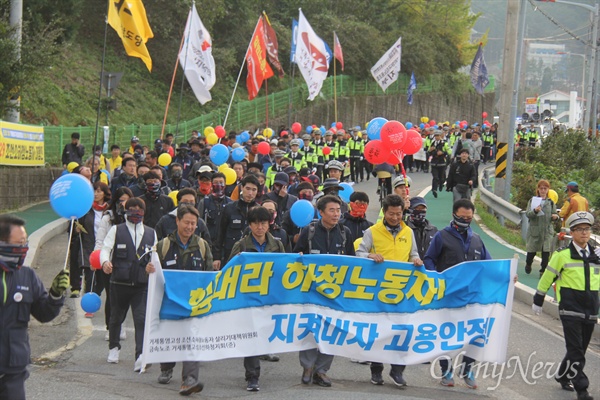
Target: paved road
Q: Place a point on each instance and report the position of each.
(81, 371)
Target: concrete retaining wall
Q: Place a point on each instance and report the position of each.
(22, 186)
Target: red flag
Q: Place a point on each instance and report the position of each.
(337, 50)
(256, 58)
(272, 46)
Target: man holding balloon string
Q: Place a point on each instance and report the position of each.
(23, 295)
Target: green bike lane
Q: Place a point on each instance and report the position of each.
(36, 216)
(439, 213)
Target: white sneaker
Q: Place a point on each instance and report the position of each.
(138, 365)
(123, 335)
(107, 336)
(113, 355)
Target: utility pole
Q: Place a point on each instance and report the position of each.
(509, 90)
(16, 21)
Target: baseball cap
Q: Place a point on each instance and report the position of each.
(578, 218)
(135, 139)
(290, 170)
(417, 201)
(304, 185)
(399, 180)
(572, 185)
(157, 141)
(282, 178)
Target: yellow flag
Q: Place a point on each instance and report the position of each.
(129, 19)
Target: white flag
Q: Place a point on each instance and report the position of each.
(387, 68)
(311, 57)
(196, 57)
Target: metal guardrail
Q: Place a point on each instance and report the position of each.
(498, 206)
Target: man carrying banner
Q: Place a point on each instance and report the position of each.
(452, 245)
(390, 240)
(259, 240)
(183, 250)
(326, 236)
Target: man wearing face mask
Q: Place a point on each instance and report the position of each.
(461, 177)
(157, 204)
(22, 294)
(177, 180)
(184, 159)
(125, 254)
(355, 219)
(452, 245)
(390, 240)
(234, 220)
(204, 182)
(421, 227)
(306, 191)
(211, 207)
(274, 229)
(280, 195)
(167, 224)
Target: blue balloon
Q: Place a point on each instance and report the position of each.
(65, 172)
(333, 124)
(219, 154)
(374, 128)
(309, 129)
(457, 123)
(245, 136)
(345, 194)
(91, 302)
(422, 125)
(408, 125)
(71, 196)
(238, 154)
(323, 130)
(302, 213)
(238, 139)
(301, 143)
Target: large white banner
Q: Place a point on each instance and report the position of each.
(387, 68)
(275, 303)
(311, 56)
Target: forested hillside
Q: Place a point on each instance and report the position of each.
(63, 42)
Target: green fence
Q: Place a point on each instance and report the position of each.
(243, 114)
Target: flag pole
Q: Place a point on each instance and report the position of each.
(239, 75)
(266, 104)
(290, 96)
(162, 132)
(100, 88)
(187, 45)
(334, 84)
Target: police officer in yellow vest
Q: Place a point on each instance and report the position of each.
(576, 271)
(390, 239)
(296, 156)
(356, 149)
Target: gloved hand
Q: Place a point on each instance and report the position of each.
(537, 310)
(60, 283)
(362, 158)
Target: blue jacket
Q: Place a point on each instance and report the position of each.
(437, 248)
(25, 296)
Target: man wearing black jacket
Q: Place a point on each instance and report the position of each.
(234, 220)
(461, 177)
(157, 204)
(73, 152)
(423, 231)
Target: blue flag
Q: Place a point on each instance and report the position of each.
(412, 85)
(294, 39)
(479, 74)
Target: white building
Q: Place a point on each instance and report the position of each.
(567, 108)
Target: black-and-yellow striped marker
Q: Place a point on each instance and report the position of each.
(501, 159)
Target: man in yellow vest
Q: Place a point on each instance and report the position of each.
(390, 239)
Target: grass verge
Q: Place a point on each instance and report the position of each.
(510, 232)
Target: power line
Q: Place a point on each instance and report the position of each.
(535, 8)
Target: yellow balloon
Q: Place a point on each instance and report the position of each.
(208, 130)
(552, 195)
(212, 138)
(425, 119)
(173, 196)
(268, 132)
(230, 176)
(223, 167)
(71, 166)
(164, 159)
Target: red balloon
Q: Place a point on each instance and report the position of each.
(326, 150)
(263, 148)
(484, 115)
(296, 127)
(414, 142)
(392, 159)
(427, 126)
(393, 135)
(376, 152)
(332, 129)
(220, 131)
(339, 125)
(95, 259)
(432, 122)
(283, 133)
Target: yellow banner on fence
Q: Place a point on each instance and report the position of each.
(21, 145)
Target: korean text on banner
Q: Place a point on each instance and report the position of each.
(390, 312)
(21, 145)
(387, 68)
